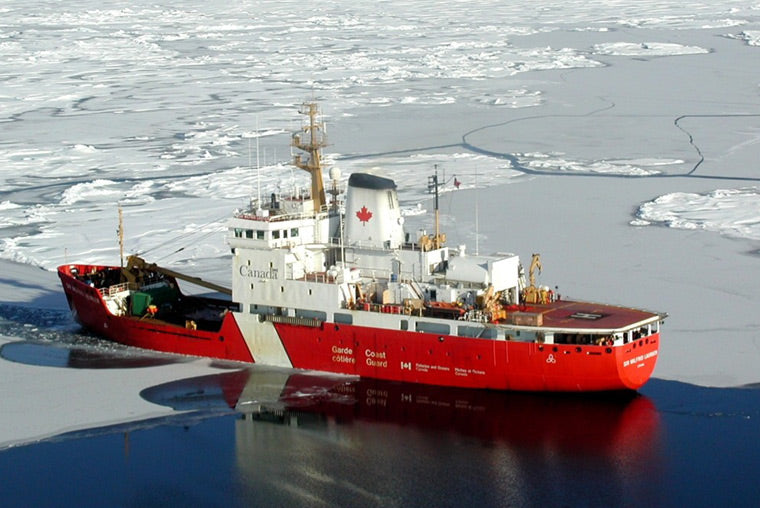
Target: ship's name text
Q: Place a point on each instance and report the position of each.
(84, 294)
(639, 358)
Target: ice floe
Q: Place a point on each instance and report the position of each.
(556, 163)
(751, 37)
(646, 49)
(731, 212)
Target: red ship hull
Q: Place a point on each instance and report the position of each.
(89, 308)
(469, 363)
(386, 354)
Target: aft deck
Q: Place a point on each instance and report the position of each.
(571, 315)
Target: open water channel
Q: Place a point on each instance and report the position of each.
(272, 437)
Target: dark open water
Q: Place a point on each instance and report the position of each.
(266, 437)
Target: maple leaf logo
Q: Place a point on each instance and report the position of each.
(364, 215)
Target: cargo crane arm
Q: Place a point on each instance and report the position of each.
(136, 266)
(535, 263)
(532, 294)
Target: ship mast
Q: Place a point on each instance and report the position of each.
(121, 238)
(313, 165)
(438, 239)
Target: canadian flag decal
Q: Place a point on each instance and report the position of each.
(364, 215)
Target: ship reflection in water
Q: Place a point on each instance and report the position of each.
(304, 438)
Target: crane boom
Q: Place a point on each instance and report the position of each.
(136, 265)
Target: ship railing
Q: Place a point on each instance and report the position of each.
(322, 277)
(384, 308)
(114, 289)
(476, 316)
(249, 215)
(366, 245)
(293, 320)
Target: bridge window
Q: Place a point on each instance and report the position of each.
(275, 235)
(293, 232)
(249, 233)
(238, 233)
(259, 234)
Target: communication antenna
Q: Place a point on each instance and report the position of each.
(334, 192)
(437, 213)
(121, 238)
(433, 187)
(341, 219)
(250, 162)
(258, 167)
(477, 225)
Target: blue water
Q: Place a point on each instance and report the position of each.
(266, 437)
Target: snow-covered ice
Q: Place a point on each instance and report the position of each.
(619, 139)
(646, 49)
(733, 212)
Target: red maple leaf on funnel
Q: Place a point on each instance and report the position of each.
(364, 215)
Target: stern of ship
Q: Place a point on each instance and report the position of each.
(636, 360)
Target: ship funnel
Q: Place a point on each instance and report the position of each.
(373, 216)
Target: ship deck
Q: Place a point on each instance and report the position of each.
(569, 314)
